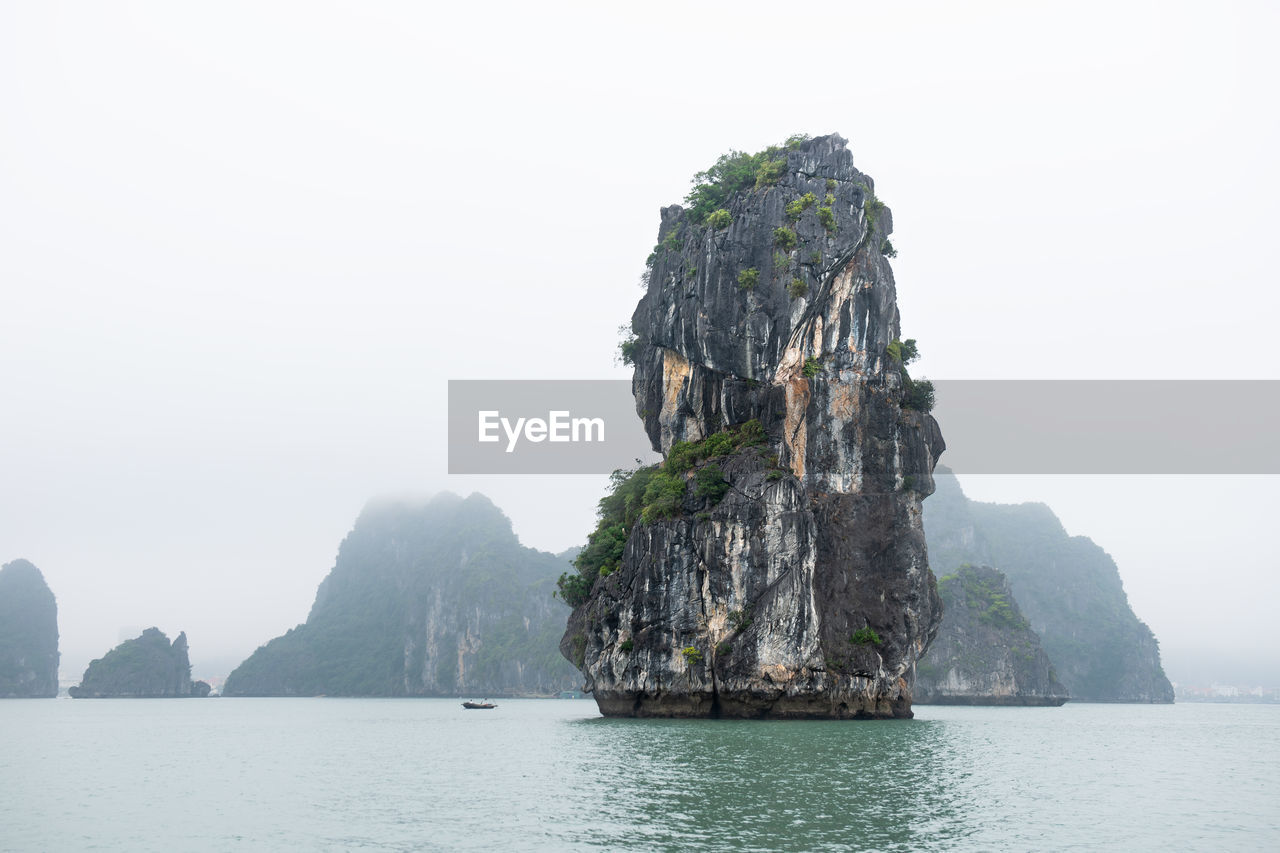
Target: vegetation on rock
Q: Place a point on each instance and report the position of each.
(796, 208)
(827, 218)
(650, 494)
(873, 208)
(865, 636)
(918, 394)
(719, 219)
(733, 173)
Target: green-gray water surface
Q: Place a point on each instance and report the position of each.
(386, 774)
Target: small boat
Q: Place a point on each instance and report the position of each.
(478, 706)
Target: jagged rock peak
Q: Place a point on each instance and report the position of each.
(146, 667)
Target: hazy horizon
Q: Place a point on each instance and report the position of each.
(243, 249)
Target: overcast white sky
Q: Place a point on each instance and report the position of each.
(244, 245)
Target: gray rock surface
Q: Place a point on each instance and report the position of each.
(985, 652)
(28, 633)
(820, 535)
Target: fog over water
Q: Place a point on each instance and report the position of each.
(243, 247)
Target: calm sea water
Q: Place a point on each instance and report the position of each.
(386, 774)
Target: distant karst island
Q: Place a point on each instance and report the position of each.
(1068, 589)
(146, 667)
(28, 633)
(427, 598)
(986, 652)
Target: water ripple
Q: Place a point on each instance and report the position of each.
(425, 775)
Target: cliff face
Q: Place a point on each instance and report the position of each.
(147, 667)
(764, 339)
(430, 599)
(1068, 587)
(985, 652)
(28, 633)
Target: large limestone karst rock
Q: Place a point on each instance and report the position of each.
(783, 573)
(28, 633)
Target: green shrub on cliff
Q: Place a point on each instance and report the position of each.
(872, 208)
(627, 345)
(574, 589)
(917, 394)
(784, 239)
(618, 511)
(709, 483)
(865, 636)
(719, 219)
(770, 172)
(903, 352)
(663, 497)
(827, 218)
(797, 207)
(685, 455)
(734, 173)
(749, 278)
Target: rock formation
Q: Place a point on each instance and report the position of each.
(1068, 588)
(28, 633)
(985, 652)
(146, 667)
(775, 565)
(433, 598)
